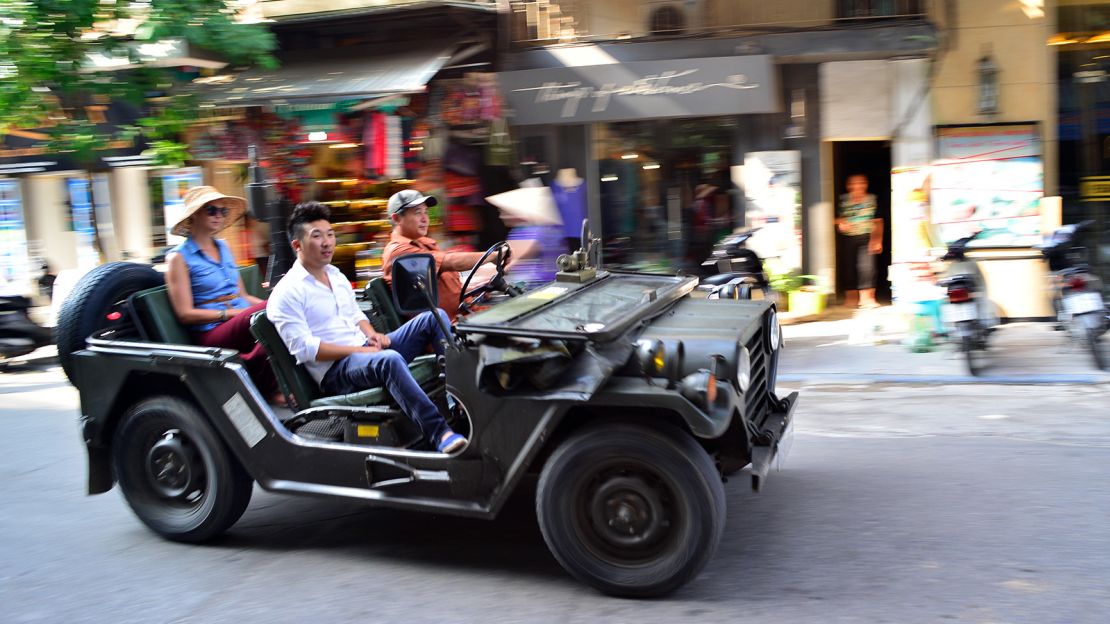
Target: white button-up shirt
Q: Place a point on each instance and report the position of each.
(306, 313)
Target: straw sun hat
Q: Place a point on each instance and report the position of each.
(196, 198)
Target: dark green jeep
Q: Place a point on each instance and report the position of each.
(631, 395)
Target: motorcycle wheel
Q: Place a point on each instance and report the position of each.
(1095, 344)
(967, 344)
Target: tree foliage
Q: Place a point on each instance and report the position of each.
(44, 46)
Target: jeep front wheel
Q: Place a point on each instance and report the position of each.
(631, 510)
(176, 473)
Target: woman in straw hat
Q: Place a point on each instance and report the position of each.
(204, 286)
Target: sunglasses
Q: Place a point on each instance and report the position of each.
(217, 210)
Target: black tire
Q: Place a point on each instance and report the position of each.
(175, 472)
(967, 345)
(101, 292)
(1095, 344)
(656, 483)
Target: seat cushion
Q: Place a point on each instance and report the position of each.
(423, 370)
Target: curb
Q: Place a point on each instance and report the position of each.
(1011, 380)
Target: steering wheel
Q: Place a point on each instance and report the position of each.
(496, 284)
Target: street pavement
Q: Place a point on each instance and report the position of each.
(872, 347)
(899, 503)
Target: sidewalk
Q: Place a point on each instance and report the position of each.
(870, 347)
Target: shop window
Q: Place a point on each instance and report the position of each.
(663, 187)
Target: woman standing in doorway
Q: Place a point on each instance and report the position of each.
(858, 222)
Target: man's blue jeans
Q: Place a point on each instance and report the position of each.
(389, 368)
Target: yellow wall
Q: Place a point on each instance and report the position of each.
(1027, 70)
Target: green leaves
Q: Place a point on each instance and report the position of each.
(44, 70)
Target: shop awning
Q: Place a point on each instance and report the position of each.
(359, 73)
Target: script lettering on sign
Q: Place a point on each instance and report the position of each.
(573, 94)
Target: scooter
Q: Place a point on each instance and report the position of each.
(19, 335)
(1076, 291)
(732, 271)
(968, 310)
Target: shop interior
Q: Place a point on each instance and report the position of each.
(872, 159)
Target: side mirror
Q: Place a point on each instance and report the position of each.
(415, 288)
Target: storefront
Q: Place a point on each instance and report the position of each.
(658, 147)
(379, 124)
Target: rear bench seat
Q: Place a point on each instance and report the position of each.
(158, 323)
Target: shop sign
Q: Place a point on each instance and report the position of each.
(1094, 188)
(729, 85)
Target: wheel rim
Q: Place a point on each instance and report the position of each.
(173, 467)
(625, 513)
(169, 470)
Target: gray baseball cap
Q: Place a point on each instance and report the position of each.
(408, 198)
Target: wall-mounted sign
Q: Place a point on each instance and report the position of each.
(988, 178)
(1094, 188)
(694, 87)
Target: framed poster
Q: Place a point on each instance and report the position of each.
(82, 220)
(15, 264)
(989, 178)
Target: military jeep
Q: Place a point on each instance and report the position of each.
(631, 395)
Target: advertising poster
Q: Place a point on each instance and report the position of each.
(772, 183)
(174, 184)
(81, 215)
(15, 269)
(989, 178)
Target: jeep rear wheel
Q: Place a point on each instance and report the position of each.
(631, 510)
(175, 472)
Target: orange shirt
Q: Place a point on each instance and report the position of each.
(450, 282)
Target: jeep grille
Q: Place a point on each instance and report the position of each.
(755, 401)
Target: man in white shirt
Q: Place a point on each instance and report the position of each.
(314, 310)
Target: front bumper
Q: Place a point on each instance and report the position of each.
(779, 426)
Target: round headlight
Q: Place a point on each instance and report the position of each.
(744, 369)
(774, 333)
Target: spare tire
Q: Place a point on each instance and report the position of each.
(97, 302)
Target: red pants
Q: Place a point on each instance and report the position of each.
(235, 333)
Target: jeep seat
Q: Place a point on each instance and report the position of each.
(377, 304)
(296, 383)
(154, 314)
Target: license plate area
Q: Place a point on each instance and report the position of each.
(959, 312)
(1082, 303)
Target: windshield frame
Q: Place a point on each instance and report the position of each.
(664, 297)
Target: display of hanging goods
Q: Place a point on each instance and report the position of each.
(463, 218)
(461, 185)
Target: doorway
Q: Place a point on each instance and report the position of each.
(872, 159)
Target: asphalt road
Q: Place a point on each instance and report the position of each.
(898, 504)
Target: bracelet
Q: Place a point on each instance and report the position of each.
(223, 315)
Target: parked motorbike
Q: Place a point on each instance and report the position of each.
(1076, 291)
(19, 335)
(968, 311)
(732, 271)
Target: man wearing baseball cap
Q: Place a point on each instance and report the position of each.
(408, 210)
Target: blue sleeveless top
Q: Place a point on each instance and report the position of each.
(210, 279)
